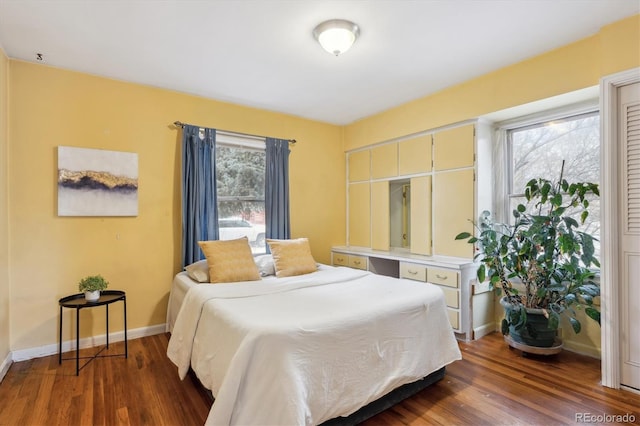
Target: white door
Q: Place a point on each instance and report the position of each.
(629, 232)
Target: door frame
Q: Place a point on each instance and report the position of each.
(609, 272)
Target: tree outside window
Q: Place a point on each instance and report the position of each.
(539, 149)
(240, 179)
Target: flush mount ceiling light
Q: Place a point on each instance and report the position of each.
(336, 36)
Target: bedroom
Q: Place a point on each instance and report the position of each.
(42, 255)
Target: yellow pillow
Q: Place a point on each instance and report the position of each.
(230, 260)
(292, 257)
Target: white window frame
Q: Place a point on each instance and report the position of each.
(502, 152)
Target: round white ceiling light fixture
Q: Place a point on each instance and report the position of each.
(336, 36)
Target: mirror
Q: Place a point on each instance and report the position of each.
(400, 214)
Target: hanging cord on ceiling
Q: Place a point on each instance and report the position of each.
(181, 125)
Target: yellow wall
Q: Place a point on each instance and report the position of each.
(4, 208)
(614, 48)
(43, 256)
(576, 66)
(49, 254)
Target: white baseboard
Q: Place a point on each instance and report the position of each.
(582, 349)
(482, 331)
(87, 342)
(4, 367)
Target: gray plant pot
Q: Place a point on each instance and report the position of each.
(535, 332)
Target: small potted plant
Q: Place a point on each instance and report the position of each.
(541, 264)
(91, 286)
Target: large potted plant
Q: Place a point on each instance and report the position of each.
(541, 264)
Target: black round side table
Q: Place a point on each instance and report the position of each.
(78, 302)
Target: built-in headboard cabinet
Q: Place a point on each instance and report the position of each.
(413, 195)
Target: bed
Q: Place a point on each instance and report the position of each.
(280, 339)
(308, 348)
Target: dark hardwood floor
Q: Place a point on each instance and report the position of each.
(491, 385)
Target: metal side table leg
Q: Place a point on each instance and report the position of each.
(77, 342)
(126, 347)
(107, 306)
(60, 339)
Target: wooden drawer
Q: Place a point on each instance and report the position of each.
(452, 297)
(454, 318)
(340, 259)
(413, 271)
(443, 277)
(358, 262)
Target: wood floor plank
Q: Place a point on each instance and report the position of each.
(491, 385)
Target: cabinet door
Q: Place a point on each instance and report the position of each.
(380, 215)
(421, 215)
(358, 166)
(384, 161)
(453, 148)
(453, 211)
(359, 215)
(414, 155)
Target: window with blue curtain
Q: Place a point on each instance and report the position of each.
(233, 186)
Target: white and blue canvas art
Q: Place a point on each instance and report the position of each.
(95, 182)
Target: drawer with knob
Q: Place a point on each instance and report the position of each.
(443, 277)
(350, 260)
(340, 259)
(413, 271)
(358, 262)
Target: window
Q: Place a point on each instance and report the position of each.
(240, 179)
(537, 150)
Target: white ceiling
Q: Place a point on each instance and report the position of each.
(261, 53)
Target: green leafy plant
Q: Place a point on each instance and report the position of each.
(93, 283)
(543, 253)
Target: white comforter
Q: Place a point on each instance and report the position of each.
(306, 349)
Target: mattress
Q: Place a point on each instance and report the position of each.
(179, 288)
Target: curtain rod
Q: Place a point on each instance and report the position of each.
(181, 124)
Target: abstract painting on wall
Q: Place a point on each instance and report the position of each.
(95, 182)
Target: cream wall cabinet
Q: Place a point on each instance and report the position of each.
(380, 223)
(360, 214)
(462, 185)
(421, 215)
(447, 194)
(453, 210)
(469, 306)
(384, 161)
(414, 155)
(359, 166)
(454, 148)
